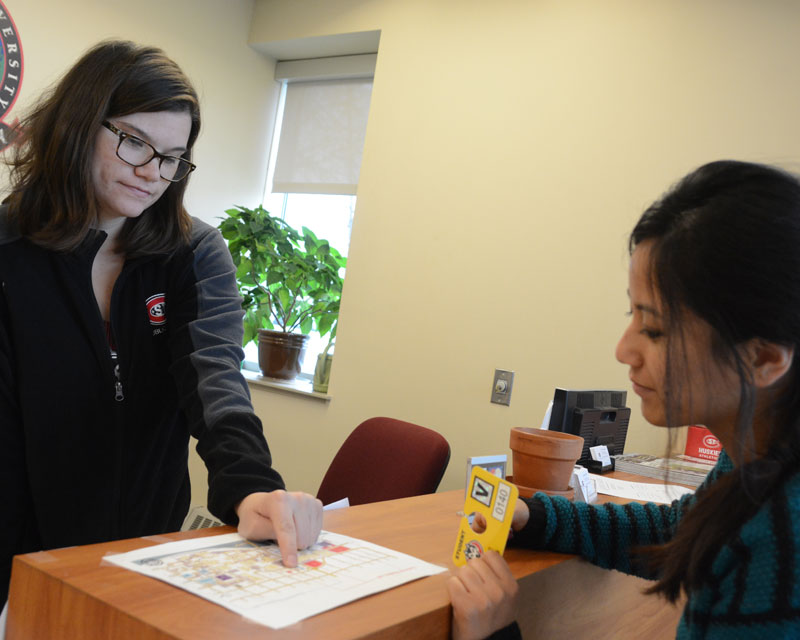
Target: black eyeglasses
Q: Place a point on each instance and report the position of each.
(137, 153)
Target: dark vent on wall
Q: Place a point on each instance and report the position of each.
(203, 523)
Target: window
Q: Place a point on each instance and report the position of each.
(316, 152)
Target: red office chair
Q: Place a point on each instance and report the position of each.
(384, 459)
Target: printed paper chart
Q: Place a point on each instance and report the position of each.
(249, 578)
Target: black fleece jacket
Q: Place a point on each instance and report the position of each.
(88, 454)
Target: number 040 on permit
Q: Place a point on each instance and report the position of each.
(494, 498)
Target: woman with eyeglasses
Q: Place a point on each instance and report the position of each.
(121, 326)
(714, 287)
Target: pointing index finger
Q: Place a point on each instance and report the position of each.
(286, 535)
(282, 517)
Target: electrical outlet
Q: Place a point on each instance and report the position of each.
(501, 387)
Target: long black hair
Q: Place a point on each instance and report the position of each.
(725, 246)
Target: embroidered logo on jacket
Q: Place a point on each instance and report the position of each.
(157, 310)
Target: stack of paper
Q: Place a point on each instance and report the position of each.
(682, 469)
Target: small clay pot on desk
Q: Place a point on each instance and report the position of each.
(543, 460)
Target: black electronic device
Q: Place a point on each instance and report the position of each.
(604, 426)
(600, 417)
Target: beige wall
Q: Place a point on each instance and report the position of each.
(511, 145)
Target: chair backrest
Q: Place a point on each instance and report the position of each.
(384, 459)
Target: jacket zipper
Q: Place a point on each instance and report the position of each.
(119, 396)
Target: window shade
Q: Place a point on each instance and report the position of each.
(322, 136)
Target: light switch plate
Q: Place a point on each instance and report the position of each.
(501, 387)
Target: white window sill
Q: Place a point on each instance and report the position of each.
(299, 386)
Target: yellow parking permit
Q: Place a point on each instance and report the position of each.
(494, 498)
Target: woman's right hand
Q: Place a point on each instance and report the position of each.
(484, 597)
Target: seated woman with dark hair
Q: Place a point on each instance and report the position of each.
(714, 288)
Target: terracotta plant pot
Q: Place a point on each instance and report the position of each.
(280, 355)
(544, 459)
(528, 492)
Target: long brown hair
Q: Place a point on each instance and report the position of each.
(52, 200)
(725, 248)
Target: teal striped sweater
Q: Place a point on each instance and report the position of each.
(754, 587)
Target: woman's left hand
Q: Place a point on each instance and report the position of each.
(484, 597)
(292, 518)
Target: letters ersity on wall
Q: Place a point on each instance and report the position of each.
(12, 64)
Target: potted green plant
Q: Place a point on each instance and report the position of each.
(290, 284)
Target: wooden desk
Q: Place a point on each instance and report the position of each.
(71, 594)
